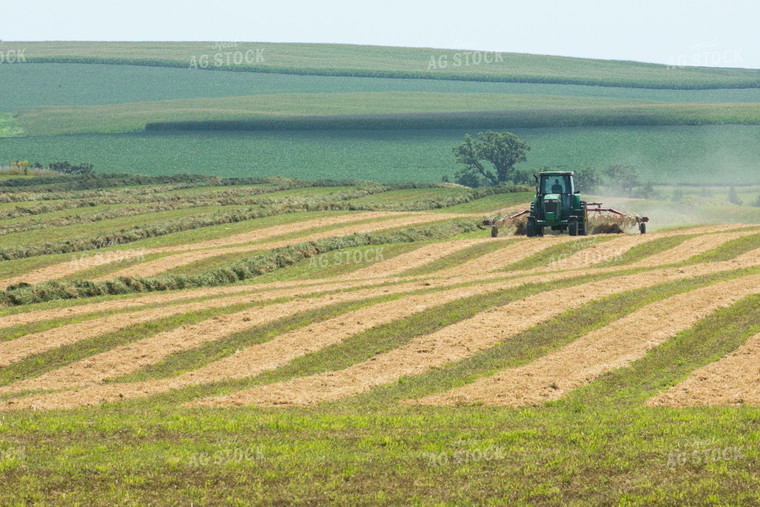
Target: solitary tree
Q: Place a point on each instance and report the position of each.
(501, 149)
(624, 177)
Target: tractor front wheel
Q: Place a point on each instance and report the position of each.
(572, 226)
(530, 227)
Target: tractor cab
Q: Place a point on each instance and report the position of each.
(555, 201)
(555, 183)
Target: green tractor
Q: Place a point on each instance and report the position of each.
(558, 205)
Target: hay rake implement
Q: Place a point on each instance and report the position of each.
(558, 206)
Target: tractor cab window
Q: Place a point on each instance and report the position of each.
(555, 184)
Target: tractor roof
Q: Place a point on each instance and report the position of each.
(556, 173)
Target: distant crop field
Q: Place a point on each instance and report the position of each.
(709, 154)
(374, 61)
(134, 116)
(79, 84)
(360, 95)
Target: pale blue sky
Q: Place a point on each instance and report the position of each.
(676, 32)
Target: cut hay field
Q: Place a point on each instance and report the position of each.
(206, 341)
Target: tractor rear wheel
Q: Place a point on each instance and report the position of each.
(530, 227)
(643, 228)
(494, 231)
(572, 226)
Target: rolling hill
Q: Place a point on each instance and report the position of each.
(383, 114)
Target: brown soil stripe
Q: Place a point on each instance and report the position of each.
(452, 343)
(153, 268)
(611, 347)
(63, 269)
(732, 380)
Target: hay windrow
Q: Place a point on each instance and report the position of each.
(732, 380)
(153, 268)
(453, 343)
(613, 346)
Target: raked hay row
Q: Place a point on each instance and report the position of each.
(527, 281)
(164, 313)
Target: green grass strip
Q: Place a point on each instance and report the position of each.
(556, 253)
(44, 362)
(239, 271)
(645, 250)
(710, 339)
(727, 251)
(538, 341)
(455, 259)
(375, 341)
(189, 360)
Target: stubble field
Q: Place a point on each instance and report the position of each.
(367, 343)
